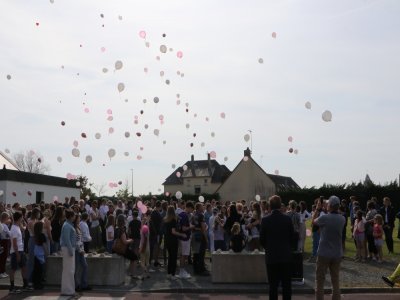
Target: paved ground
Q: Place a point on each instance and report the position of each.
(169, 296)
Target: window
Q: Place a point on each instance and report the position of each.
(197, 190)
(39, 197)
(205, 180)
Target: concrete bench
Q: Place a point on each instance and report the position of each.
(238, 267)
(102, 270)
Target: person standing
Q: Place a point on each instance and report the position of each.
(276, 236)
(389, 215)
(330, 251)
(17, 255)
(199, 241)
(68, 245)
(171, 240)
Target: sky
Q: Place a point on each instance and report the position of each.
(340, 55)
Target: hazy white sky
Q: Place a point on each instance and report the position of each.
(342, 56)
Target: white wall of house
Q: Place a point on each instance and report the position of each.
(21, 189)
(189, 185)
(246, 181)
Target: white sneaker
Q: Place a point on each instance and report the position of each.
(151, 270)
(3, 275)
(186, 275)
(177, 276)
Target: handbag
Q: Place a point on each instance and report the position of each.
(119, 247)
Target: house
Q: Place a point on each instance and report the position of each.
(27, 188)
(248, 179)
(197, 177)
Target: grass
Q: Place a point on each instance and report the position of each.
(350, 251)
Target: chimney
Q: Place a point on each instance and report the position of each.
(247, 152)
(209, 164)
(192, 157)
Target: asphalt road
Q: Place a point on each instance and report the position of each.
(52, 295)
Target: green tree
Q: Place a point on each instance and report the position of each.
(85, 187)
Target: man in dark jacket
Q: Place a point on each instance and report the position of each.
(276, 236)
(389, 216)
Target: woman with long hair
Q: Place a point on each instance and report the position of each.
(120, 233)
(254, 227)
(56, 225)
(171, 240)
(35, 215)
(232, 218)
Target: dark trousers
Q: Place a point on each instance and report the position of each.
(37, 274)
(371, 244)
(388, 237)
(220, 244)
(86, 246)
(3, 256)
(280, 273)
(198, 259)
(172, 248)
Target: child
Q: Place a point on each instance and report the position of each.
(86, 238)
(378, 233)
(110, 232)
(40, 252)
(237, 241)
(4, 242)
(359, 235)
(144, 250)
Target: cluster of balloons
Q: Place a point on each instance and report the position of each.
(142, 207)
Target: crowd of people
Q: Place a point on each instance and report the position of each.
(159, 232)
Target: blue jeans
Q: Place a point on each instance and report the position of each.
(31, 257)
(109, 246)
(80, 261)
(315, 243)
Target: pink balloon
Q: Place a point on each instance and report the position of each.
(111, 185)
(274, 35)
(136, 117)
(290, 139)
(141, 148)
(179, 54)
(142, 34)
(103, 49)
(222, 115)
(161, 117)
(110, 130)
(308, 232)
(145, 70)
(109, 111)
(143, 209)
(178, 174)
(115, 184)
(75, 143)
(139, 157)
(86, 110)
(213, 154)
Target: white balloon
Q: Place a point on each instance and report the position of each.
(246, 158)
(327, 116)
(257, 197)
(260, 60)
(308, 105)
(163, 49)
(202, 144)
(121, 87)
(246, 137)
(88, 159)
(173, 166)
(59, 159)
(178, 174)
(185, 167)
(276, 172)
(201, 199)
(105, 70)
(226, 158)
(126, 153)
(97, 136)
(76, 152)
(212, 134)
(1, 193)
(127, 134)
(178, 195)
(78, 183)
(111, 153)
(118, 65)
(156, 132)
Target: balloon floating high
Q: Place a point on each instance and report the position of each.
(156, 100)
(163, 49)
(88, 159)
(327, 116)
(62, 123)
(258, 198)
(76, 152)
(274, 35)
(121, 87)
(118, 65)
(59, 159)
(290, 139)
(290, 150)
(260, 60)
(142, 34)
(97, 136)
(111, 153)
(246, 137)
(308, 105)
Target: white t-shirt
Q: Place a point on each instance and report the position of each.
(15, 233)
(110, 229)
(5, 234)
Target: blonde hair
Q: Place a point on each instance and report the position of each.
(378, 219)
(235, 228)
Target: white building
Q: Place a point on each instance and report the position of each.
(26, 188)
